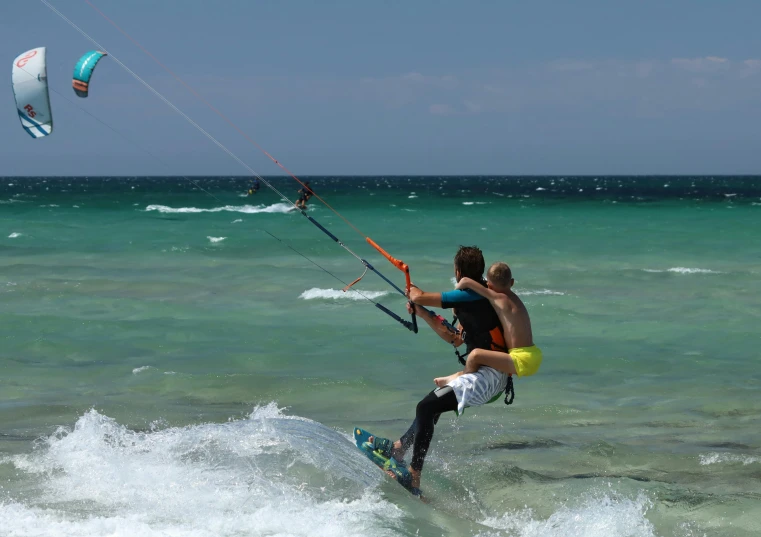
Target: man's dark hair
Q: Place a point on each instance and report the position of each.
(469, 260)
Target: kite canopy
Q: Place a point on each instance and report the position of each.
(30, 88)
(83, 71)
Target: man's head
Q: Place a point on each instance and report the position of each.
(500, 277)
(469, 262)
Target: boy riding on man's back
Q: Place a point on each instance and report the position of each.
(480, 311)
(522, 358)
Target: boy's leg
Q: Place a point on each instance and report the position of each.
(443, 381)
(501, 361)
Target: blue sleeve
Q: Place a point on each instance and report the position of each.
(450, 299)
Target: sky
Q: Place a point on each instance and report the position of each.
(430, 87)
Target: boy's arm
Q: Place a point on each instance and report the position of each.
(467, 283)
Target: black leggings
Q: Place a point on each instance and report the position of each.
(427, 414)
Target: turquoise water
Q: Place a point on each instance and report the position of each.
(168, 368)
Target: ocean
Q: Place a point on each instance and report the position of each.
(173, 363)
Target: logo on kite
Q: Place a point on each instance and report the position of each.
(22, 61)
(83, 72)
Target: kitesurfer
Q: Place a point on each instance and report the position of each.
(481, 329)
(305, 193)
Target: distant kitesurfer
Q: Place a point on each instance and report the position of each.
(481, 329)
(254, 187)
(305, 193)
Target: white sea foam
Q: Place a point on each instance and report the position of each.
(140, 369)
(539, 189)
(7, 287)
(604, 515)
(215, 240)
(237, 220)
(477, 202)
(14, 235)
(523, 292)
(727, 458)
(265, 475)
(685, 270)
(246, 209)
(338, 294)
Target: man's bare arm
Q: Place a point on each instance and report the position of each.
(434, 321)
(418, 296)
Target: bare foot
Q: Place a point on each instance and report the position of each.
(443, 381)
(396, 450)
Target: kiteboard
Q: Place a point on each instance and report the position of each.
(395, 469)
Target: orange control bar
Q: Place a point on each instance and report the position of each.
(401, 265)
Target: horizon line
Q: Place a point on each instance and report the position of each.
(285, 176)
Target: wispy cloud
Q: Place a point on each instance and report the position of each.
(571, 65)
(750, 68)
(643, 69)
(649, 87)
(708, 64)
(491, 88)
(399, 90)
(413, 79)
(441, 110)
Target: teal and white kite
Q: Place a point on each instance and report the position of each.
(83, 71)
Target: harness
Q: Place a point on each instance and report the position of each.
(509, 388)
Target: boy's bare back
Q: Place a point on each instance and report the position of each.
(514, 317)
(511, 310)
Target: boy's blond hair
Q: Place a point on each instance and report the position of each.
(500, 275)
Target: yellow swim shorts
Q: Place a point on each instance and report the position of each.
(526, 359)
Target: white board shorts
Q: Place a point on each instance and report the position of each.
(476, 389)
